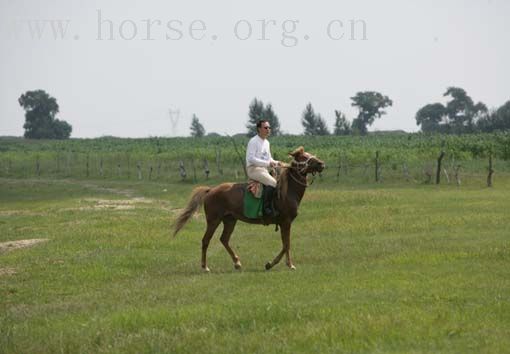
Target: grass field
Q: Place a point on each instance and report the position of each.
(416, 268)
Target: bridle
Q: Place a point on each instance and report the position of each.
(300, 182)
(301, 167)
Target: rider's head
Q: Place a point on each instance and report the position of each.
(263, 128)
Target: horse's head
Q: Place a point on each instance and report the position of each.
(306, 162)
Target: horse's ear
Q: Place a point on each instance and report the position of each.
(299, 151)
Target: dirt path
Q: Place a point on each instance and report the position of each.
(14, 245)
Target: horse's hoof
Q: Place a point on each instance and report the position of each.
(292, 267)
(206, 269)
(268, 266)
(238, 265)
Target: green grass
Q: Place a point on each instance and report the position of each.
(380, 268)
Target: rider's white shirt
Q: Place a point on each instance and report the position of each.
(258, 152)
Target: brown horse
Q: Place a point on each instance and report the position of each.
(224, 203)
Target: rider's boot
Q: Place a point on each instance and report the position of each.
(268, 201)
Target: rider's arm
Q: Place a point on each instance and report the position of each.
(272, 163)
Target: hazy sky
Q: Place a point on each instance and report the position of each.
(121, 65)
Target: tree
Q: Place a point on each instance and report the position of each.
(430, 118)
(460, 115)
(258, 111)
(313, 123)
(496, 120)
(358, 127)
(40, 110)
(342, 125)
(62, 129)
(321, 127)
(502, 117)
(197, 129)
(462, 111)
(308, 120)
(255, 113)
(371, 106)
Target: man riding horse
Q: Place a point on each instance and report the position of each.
(225, 203)
(258, 159)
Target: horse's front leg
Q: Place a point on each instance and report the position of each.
(285, 233)
(286, 245)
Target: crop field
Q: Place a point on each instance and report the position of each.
(350, 159)
(387, 267)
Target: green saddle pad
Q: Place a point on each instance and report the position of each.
(252, 205)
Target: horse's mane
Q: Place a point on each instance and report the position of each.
(283, 181)
(284, 175)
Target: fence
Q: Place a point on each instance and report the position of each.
(381, 168)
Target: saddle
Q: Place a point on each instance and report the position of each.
(254, 200)
(255, 188)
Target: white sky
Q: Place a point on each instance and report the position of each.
(412, 52)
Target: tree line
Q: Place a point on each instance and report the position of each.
(459, 115)
(370, 104)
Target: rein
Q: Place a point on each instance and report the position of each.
(300, 167)
(305, 183)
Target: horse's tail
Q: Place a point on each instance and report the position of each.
(197, 199)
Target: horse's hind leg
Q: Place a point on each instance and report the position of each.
(209, 232)
(229, 224)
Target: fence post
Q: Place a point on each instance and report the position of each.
(377, 166)
(406, 172)
(446, 175)
(68, 164)
(194, 170)
(58, 164)
(87, 166)
(139, 168)
(491, 171)
(206, 169)
(218, 161)
(438, 172)
(457, 175)
(339, 168)
(182, 170)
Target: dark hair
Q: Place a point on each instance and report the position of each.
(260, 121)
